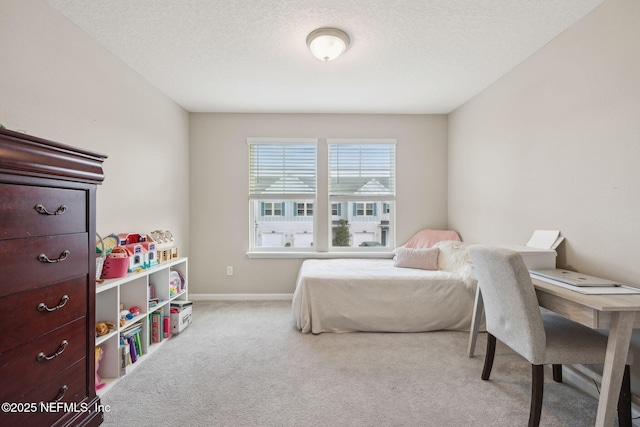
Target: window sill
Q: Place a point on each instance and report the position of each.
(316, 255)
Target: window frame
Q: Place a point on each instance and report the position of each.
(284, 198)
(387, 229)
(322, 213)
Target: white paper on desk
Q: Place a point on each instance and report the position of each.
(545, 239)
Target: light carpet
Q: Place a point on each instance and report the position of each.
(245, 364)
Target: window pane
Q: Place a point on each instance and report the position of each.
(282, 169)
(279, 172)
(283, 229)
(361, 224)
(362, 169)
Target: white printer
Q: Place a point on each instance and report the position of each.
(540, 251)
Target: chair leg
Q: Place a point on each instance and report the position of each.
(488, 358)
(537, 385)
(557, 373)
(624, 401)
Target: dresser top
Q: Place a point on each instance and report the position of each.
(22, 154)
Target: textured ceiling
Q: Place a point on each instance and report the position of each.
(406, 56)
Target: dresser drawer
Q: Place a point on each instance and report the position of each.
(22, 321)
(20, 268)
(67, 211)
(26, 366)
(69, 387)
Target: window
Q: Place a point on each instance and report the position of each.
(359, 194)
(364, 209)
(304, 209)
(282, 193)
(272, 208)
(362, 178)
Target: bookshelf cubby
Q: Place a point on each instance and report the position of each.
(133, 290)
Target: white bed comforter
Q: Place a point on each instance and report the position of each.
(348, 295)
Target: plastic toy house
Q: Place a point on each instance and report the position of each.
(141, 250)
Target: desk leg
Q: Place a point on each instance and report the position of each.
(615, 360)
(476, 320)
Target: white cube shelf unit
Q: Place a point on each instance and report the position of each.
(133, 290)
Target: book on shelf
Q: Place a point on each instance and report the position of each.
(156, 336)
(160, 326)
(132, 329)
(131, 337)
(132, 350)
(166, 327)
(125, 358)
(137, 343)
(154, 328)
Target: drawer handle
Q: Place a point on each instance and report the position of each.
(61, 393)
(42, 210)
(43, 307)
(59, 397)
(41, 356)
(62, 257)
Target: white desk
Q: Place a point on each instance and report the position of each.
(614, 312)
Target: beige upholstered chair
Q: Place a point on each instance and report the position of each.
(514, 317)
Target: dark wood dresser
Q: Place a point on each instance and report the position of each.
(47, 282)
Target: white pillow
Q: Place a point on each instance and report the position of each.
(424, 259)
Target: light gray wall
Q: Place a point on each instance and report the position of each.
(555, 144)
(57, 83)
(219, 188)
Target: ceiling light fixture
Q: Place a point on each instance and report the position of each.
(327, 44)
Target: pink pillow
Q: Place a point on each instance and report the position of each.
(424, 259)
(427, 238)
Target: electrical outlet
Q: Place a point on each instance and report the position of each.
(229, 270)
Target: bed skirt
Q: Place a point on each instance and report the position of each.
(371, 295)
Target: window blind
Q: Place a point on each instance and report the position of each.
(362, 169)
(282, 169)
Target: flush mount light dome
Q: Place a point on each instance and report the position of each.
(327, 44)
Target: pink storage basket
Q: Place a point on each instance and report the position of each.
(114, 268)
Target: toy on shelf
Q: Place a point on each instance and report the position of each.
(99, 356)
(177, 282)
(107, 244)
(103, 328)
(126, 253)
(115, 265)
(165, 245)
(141, 250)
(128, 314)
(174, 283)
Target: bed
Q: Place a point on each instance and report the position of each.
(373, 295)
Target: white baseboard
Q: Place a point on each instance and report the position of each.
(240, 297)
(583, 379)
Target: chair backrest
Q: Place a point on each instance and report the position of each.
(511, 306)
